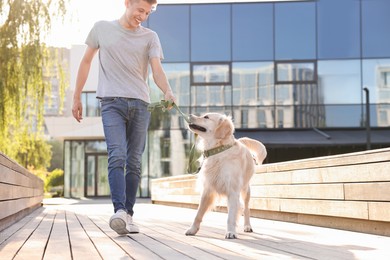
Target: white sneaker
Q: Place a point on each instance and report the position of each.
(131, 227)
(122, 223)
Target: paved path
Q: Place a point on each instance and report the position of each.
(78, 229)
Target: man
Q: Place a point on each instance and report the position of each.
(125, 50)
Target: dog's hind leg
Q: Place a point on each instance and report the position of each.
(233, 212)
(206, 202)
(246, 194)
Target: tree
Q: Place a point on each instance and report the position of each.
(25, 67)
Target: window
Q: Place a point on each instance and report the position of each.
(210, 32)
(295, 34)
(376, 36)
(299, 72)
(252, 32)
(211, 73)
(339, 81)
(376, 77)
(338, 29)
(253, 83)
(174, 35)
(90, 104)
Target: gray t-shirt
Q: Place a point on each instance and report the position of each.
(123, 59)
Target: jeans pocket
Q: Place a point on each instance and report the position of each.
(108, 100)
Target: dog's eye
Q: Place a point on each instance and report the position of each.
(206, 117)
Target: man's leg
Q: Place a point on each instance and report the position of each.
(137, 130)
(114, 124)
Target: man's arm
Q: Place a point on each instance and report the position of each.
(161, 80)
(82, 75)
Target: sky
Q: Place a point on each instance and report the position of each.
(82, 14)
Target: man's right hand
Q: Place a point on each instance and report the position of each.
(77, 109)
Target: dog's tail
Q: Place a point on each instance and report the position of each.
(256, 148)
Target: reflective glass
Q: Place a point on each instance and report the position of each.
(95, 147)
(299, 116)
(216, 74)
(338, 29)
(253, 83)
(168, 152)
(297, 94)
(210, 32)
(343, 116)
(252, 32)
(375, 28)
(339, 82)
(295, 34)
(211, 96)
(253, 116)
(77, 169)
(172, 24)
(178, 75)
(376, 77)
(296, 72)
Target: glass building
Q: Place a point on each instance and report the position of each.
(294, 75)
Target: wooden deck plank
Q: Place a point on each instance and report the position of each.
(11, 246)
(128, 243)
(82, 247)
(107, 248)
(34, 247)
(59, 239)
(81, 231)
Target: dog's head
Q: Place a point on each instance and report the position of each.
(212, 126)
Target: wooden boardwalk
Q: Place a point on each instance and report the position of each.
(70, 229)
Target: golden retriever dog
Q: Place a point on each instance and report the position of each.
(227, 167)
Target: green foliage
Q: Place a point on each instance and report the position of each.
(25, 67)
(57, 159)
(53, 181)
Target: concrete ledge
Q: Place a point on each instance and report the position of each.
(20, 192)
(348, 191)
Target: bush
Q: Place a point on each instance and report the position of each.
(53, 181)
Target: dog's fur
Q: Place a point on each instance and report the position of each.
(227, 173)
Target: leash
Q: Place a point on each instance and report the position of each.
(164, 105)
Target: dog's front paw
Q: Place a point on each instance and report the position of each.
(192, 231)
(230, 235)
(248, 228)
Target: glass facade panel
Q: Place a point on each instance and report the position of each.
(174, 35)
(178, 75)
(77, 169)
(375, 29)
(207, 74)
(295, 34)
(168, 152)
(211, 32)
(296, 72)
(252, 32)
(376, 77)
(211, 96)
(340, 82)
(91, 169)
(103, 188)
(253, 117)
(343, 116)
(338, 29)
(253, 83)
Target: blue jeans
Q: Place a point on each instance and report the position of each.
(125, 123)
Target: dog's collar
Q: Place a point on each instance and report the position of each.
(216, 150)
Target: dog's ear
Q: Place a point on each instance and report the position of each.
(225, 128)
